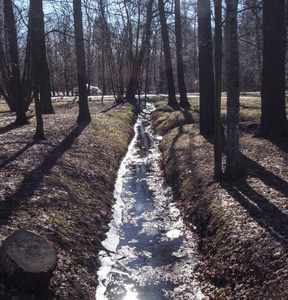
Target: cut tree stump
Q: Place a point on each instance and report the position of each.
(27, 261)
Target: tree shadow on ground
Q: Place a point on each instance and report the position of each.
(281, 143)
(14, 156)
(115, 104)
(8, 128)
(33, 179)
(265, 213)
(12, 126)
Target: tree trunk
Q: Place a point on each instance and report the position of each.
(27, 76)
(28, 262)
(273, 112)
(138, 59)
(167, 54)
(161, 74)
(36, 11)
(39, 134)
(37, 68)
(218, 90)
(180, 70)
(17, 92)
(84, 114)
(232, 80)
(206, 75)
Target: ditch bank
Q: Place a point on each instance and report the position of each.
(242, 223)
(61, 188)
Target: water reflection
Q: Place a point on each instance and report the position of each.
(155, 253)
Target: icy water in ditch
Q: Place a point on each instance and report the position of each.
(154, 252)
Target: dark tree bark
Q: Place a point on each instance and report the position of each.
(27, 261)
(167, 54)
(37, 69)
(232, 81)
(39, 134)
(273, 112)
(27, 75)
(138, 60)
(103, 49)
(161, 74)
(17, 91)
(84, 114)
(36, 11)
(107, 48)
(179, 49)
(218, 90)
(206, 75)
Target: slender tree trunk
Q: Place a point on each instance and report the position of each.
(84, 114)
(139, 58)
(39, 134)
(161, 74)
(206, 75)
(232, 75)
(179, 52)
(41, 60)
(5, 73)
(218, 90)
(37, 67)
(147, 77)
(107, 47)
(273, 112)
(36, 70)
(17, 92)
(167, 54)
(103, 36)
(27, 76)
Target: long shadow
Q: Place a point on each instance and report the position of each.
(33, 179)
(8, 128)
(7, 112)
(188, 119)
(12, 126)
(266, 214)
(281, 143)
(20, 152)
(187, 113)
(269, 178)
(115, 104)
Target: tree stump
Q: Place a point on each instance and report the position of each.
(27, 261)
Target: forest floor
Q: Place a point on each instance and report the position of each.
(61, 188)
(242, 222)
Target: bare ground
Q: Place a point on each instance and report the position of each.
(62, 189)
(242, 222)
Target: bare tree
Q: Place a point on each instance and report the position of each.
(218, 90)
(273, 111)
(84, 114)
(168, 63)
(206, 74)
(14, 65)
(138, 57)
(232, 81)
(180, 70)
(36, 53)
(36, 11)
